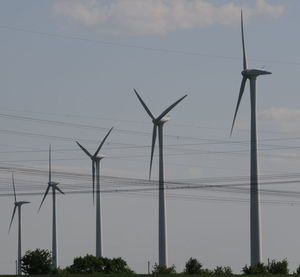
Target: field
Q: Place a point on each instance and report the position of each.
(157, 275)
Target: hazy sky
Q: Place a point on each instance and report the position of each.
(68, 69)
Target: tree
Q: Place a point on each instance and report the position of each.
(192, 266)
(36, 262)
(280, 267)
(87, 264)
(220, 270)
(162, 269)
(116, 265)
(91, 264)
(255, 269)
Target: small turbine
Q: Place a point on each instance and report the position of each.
(158, 124)
(96, 173)
(18, 204)
(55, 188)
(255, 218)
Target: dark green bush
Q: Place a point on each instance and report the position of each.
(255, 269)
(220, 270)
(162, 269)
(91, 264)
(206, 271)
(280, 267)
(37, 261)
(192, 266)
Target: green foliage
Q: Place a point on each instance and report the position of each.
(87, 264)
(91, 264)
(255, 269)
(298, 270)
(206, 272)
(280, 267)
(36, 262)
(162, 269)
(220, 270)
(192, 266)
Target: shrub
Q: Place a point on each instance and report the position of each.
(91, 264)
(192, 266)
(36, 262)
(206, 271)
(255, 269)
(87, 264)
(162, 269)
(280, 267)
(220, 270)
(116, 265)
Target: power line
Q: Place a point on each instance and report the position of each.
(229, 184)
(123, 131)
(145, 191)
(144, 48)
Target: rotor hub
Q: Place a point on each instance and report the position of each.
(251, 73)
(53, 184)
(161, 121)
(99, 157)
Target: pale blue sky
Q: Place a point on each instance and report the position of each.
(78, 62)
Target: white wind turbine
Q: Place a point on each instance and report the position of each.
(96, 171)
(158, 124)
(255, 218)
(55, 188)
(18, 204)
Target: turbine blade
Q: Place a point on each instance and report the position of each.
(169, 109)
(12, 218)
(144, 105)
(57, 188)
(84, 150)
(93, 172)
(49, 163)
(13, 181)
(243, 41)
(47, 190)
(152, 147)
(101, 144)
(239, 100)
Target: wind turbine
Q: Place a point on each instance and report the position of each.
(255, 218)
(158, 124)
(18, 204)
(96, 171)
(55, 188)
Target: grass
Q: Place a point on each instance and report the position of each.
(157, 275)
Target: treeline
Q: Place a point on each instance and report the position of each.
(193, 266)
(39, 262)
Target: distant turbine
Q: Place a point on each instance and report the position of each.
(18, 204)
(255, 220)
(54, 187)
(96, 168)
(158, 123)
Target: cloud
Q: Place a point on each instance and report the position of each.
(280, 119)
(156, 17)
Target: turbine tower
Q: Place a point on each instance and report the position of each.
(55, 188)
(18, 204)
(158, 124)
(96, 171)
(255, 219)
